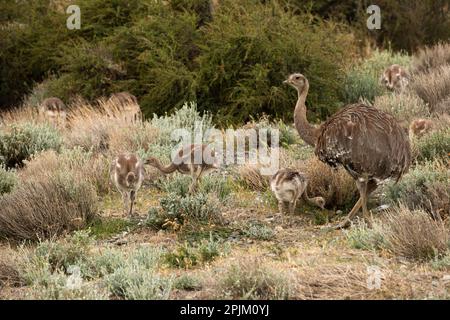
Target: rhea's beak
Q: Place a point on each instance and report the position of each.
(286, 81)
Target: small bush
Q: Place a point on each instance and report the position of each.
(187, 118)
(415, 235)
(197, 208)
(362, 80)
(8, 180)
(47, 204)
(188, 256)
(433, 87)
(10, 275)
(432, 146)
(137, 278)
(250, 279)
(442, 263)
(362, 237)
(425, 186)
(23, 140)
(62, 287)
(251, 177)
(405, 106)
(428, 58)
(259, 231)
(187, 282)
(63, 254)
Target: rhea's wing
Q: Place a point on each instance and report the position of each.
(364, 140)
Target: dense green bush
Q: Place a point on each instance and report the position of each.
(23, 140)
(249, 50)
(7, 180)
(425, 186)
(405, 24)
(433, 145)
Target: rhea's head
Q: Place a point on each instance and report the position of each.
(298, 81)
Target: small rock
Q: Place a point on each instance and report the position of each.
(278, 228)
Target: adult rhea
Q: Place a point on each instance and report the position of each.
(367, 142)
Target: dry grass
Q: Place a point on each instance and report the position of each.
(106, 128)
(52, 197)
(414, 234)
(405, 106)
(433, 87)
(9, 275)
(252, 178)
(254, 279)
(335, 185)
(431, 57)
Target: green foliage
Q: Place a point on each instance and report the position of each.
(434, 145)
(23, 140)
(259, 231)
(187, 282)
(187, 255)
(137, 279)
(362, 80)
(187, 117)
(61, 255)
(103, 228)
(8, 180)
(249, 49)
(360, 236)
(442, 263)
(427, 186)
(252, 280)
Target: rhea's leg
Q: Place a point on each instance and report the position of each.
(292, 206)
(132, 198)
(350, 216)
(125, 198)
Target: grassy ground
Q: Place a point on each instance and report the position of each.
(319, 264)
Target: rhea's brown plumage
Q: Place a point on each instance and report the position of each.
(367, 142)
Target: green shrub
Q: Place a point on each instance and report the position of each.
(250, 279)
(137, 278)
(8, 180)
(259, 231)
(24, 140)
(362, 237)
(441, 263)
(63, 254)
(250, 48)
(433, 146)
(187, 255)
(362, 80)
(187, 282)
(424, 186)
(405, 107)
(187, 117)
(178, 210)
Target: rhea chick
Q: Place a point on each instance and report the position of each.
(288, 186)
(420, 127)
(193, 159)
(127, 174)
(395, 78)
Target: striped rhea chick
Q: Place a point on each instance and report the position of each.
(288, 186)
(127, 174)
(193, 159)
(395, 78)
(420, 127)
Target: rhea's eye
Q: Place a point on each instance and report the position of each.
(297, 77)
